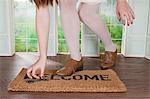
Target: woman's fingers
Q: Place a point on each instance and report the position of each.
(34, 74)
(132, 12)
(123, 18)
(29, 72)
(118, 15)
(42, 73)
(131, 15)
(131, 18)
(127, 16)
(125, 13)
(128, 19)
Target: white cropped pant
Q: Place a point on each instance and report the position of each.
(90, 1)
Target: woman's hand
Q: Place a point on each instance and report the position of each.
(37, 68)
(124, 12)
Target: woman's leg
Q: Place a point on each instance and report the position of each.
(42, 27)
(89, 15)
(71, 26)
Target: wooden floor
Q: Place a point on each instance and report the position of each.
(133, 71)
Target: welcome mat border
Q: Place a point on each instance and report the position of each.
(16, 84)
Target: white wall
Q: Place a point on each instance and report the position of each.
(7, 47)
(147, 53)
(134, 39)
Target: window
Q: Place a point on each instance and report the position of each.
(25, 36)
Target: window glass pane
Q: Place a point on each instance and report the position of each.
(31, 33)
(62, 46)
(60, 30)
(21, 30)
(118, 44)
(25, 35)
(20, 45)
(116, 31)
(102, 47)
(32, 45)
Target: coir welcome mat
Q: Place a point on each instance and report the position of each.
(83, 81)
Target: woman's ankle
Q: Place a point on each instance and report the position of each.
(111, 48)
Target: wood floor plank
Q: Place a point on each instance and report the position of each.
(133, 71)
